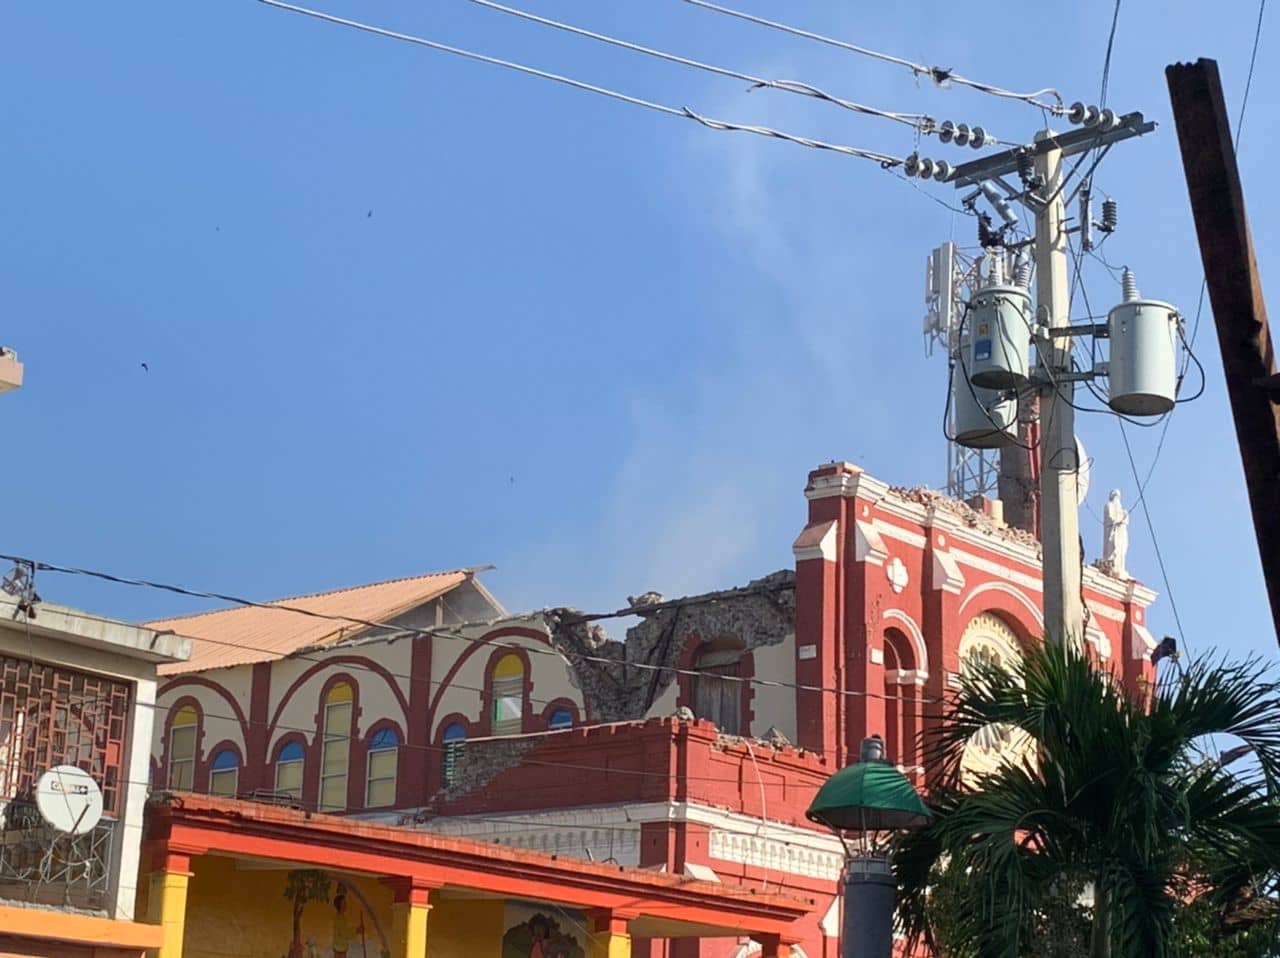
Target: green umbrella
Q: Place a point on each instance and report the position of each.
(868, 797)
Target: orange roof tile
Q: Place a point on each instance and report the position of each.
(244, 634)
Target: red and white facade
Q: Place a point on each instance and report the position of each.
(511, 730)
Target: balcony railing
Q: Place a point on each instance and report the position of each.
(41, 865)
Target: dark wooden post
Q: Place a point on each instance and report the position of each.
(1235, 294)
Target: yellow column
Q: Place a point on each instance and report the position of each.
(167, 903)
(609, 938)
(409, 920)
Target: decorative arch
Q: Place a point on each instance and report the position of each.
(292, 748)
(185, 712)
(508, 676)
(1013, 606)
(448, 746)
(485, 641)
(724, 675)
(902, 700)
(913, 632)
(199, 681)
(337, 719)
(991, 636)
(365, 665)
(561, 704)
(382, 777)
(218, 768)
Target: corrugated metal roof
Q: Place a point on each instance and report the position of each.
(244, 634)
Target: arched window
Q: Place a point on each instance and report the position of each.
(508, 695)
(335, 750)
(560, 718)
(289, 762)
(182, 747)
(380, 789)
(455, 737)
(716, 694)
(224, 773)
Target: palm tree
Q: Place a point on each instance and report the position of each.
(1117, 798)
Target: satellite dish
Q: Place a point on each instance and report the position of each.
(1082, 473)
(69, 799)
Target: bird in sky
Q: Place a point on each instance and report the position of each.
(146, 368)
(369, 215)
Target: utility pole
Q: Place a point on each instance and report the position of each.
(1059, 465)
(1235, 295)
(1040, 167)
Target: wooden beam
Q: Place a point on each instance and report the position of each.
(1235, 295)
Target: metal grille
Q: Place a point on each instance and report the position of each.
(56, 716)
(38, 864)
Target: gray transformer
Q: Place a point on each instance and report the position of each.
(999, 334)
(1143, 365)
(984, 418)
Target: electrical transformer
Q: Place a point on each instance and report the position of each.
(1143, 363)
(984, 418)
(999, 333)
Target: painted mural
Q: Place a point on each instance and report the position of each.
(543, 931)
(354, 929)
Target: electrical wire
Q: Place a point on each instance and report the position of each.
(1106, 62)
(1146, 509)
(918, 121)
(1244, 106)
(404, 632)
(883, 159)
(1155, 542)
(941, 76)
(1248, 83)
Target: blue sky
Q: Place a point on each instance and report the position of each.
(404, 312)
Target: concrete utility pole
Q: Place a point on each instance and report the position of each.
(1235, 294)
(1055, 380)
(1059, 465)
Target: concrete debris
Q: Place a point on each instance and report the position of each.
(637, 602)
(684, 714)
(1108, 568)
(760, 613)
(938, 501)
(775, 738)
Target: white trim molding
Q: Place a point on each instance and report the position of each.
(817, 541)
(614, 831)
(905, 677)
(913, 632)
(846, 485)
(890, 531)
(867, 544)
(947, 575)
(1099, 640)
(1009, 590)
(1143, 644)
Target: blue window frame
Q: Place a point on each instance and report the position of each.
(380, 784)
(224, 773)
(560, 718)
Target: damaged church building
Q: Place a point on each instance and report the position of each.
(688, 747)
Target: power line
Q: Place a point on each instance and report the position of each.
(939, 75)
(918, 121)
(1146, 509)
(1248, 83)
(403, 632)
(883, 159)
(1244, 105)
(1106, 62)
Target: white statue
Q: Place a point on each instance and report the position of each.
(1115, 533)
